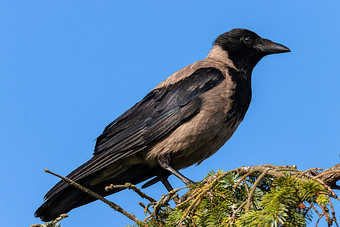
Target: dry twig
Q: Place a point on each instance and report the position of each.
(55, 221)
(134, 188)
(252, 191)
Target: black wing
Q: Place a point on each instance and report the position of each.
(156, 116)
(159, 113)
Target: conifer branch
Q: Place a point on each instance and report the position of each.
(250, 185)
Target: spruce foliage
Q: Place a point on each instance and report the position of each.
(286, 201)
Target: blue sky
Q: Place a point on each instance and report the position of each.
(68, 68)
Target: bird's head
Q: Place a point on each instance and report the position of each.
(245, 48)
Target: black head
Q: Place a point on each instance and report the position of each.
(245, 48)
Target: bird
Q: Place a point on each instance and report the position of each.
(181, 122)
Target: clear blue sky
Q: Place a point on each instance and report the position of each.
(68, 68)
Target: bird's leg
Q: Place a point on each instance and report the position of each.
(161, 176)
(167, 184)
(164, 162)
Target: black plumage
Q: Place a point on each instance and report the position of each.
(162, 133)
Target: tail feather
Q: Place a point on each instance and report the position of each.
(70, 197)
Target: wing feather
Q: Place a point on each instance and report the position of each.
(153, 118)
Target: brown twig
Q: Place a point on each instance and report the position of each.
(157, 206)
(252, 191)
(243, 179)
(332, 193)
(171, 195)
(131, 187)
(316, 225)
(326, 173)
(326, 214)
(61, 217)
(314, 209)
(146, 210)
(310, 170)
(333, 213)
(164, 200)
(306, 211)
(246, 187)
(235, 212)
(97, 196)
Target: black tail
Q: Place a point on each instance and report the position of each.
(70, 197)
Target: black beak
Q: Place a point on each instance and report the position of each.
(269, 47)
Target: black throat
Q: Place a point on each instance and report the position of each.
(241, 97)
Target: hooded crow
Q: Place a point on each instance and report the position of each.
(181, 122)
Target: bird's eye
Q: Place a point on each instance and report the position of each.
(247, 40)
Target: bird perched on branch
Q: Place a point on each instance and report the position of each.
(181, 122)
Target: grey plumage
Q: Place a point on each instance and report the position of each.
(182, 121)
